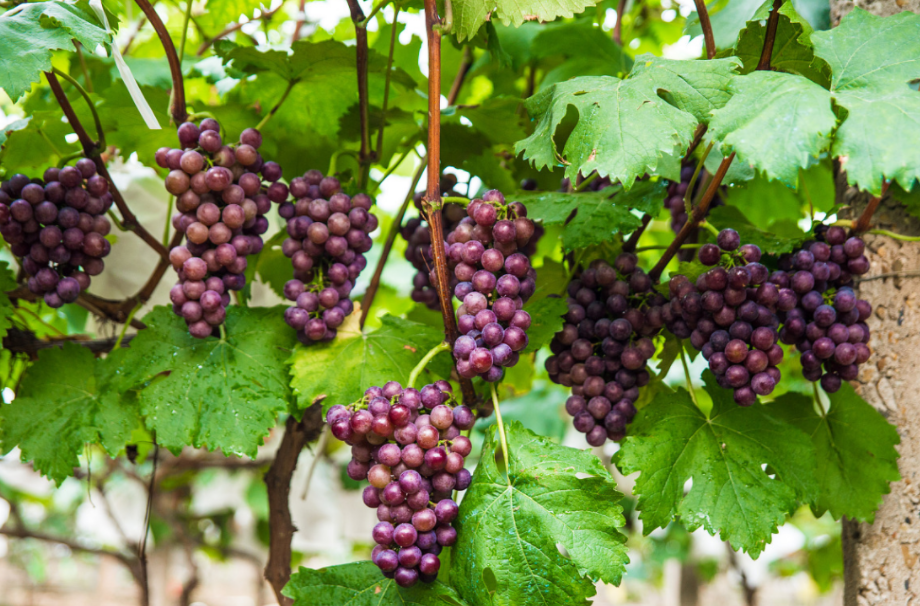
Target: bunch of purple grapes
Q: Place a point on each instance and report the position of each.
(494, 279)
(407, 444)
(730, 316)
(822, 316)
(57, 227)
(221, 202)
(675, 200)
(604, 346)
(328, 234)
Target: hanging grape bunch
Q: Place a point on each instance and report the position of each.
(494, 279)
(57, 226)
(407, 444)
(417, 234)
(821, 314)
(604, 346)
(221, 202)
(328, 234)
(730, 316)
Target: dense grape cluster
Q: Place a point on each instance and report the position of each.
(407, 444)
(57, 227)
(729, 314)
(821, 314)
(328, 234)
(494, 279)
(604, 346)
(221, 202)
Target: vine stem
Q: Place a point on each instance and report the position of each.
(124, 329)
(274, 110)
(320, 449)
(413, 376)
(188, 16)
(891, 234)
(696, 173)
(693, 220)
(371, 291)
(501, 429)
(462, 201)
(697, 139)
(630, 245)
(862, 224)
(386, 86)
(90, 150)
(703, 12)
(683, 361)
(100, 134)
(767, 52)
(431, 203)
(177, 107)
(461, 76)
(365, 157)
(662, 247)
(618, 26)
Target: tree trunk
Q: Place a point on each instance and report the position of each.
(880, 559)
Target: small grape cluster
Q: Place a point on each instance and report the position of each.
(494, 280)
(221, 202)
(328, 234)
(729, 314)
(407, 444)
(822, 316)
(57, 227)
(605, 344)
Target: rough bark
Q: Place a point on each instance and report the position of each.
(881, 559)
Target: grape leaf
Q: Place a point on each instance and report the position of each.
(792, 50)
(542, 533)
(35, 143)
(343, 368)
(731, 216)
(794, 111)
(672, 441)
(362, 584)
(732, 17)
(599, 216)
(30, 32)
(590, 51)
(871, 68)
(546, 320)
(7, 282)
(67, 398)
(624, 129)
(272, 267)
(216, 393)
(470, 15)
(219, 12)
(856, 458)
(697, 87)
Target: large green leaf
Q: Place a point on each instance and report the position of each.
(546, 320)
(343, 368)
(220, 12)
(856, 458)
(775, 122)
(470, 15)
(541, 533)
(67, 399)
(697, 87)
(733, 15)
(672, 441)
(30, 32)
(32, 144)
(624, 129)
(362, 584)
(871, 70)
(599, 215)
(589, 51)
(214, 393)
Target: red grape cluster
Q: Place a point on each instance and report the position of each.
(604, 345)
(328, 234)
(57, 227)
(822, 316)
(407, 444)
(730, 316)
(494, 279)
(221, 202)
